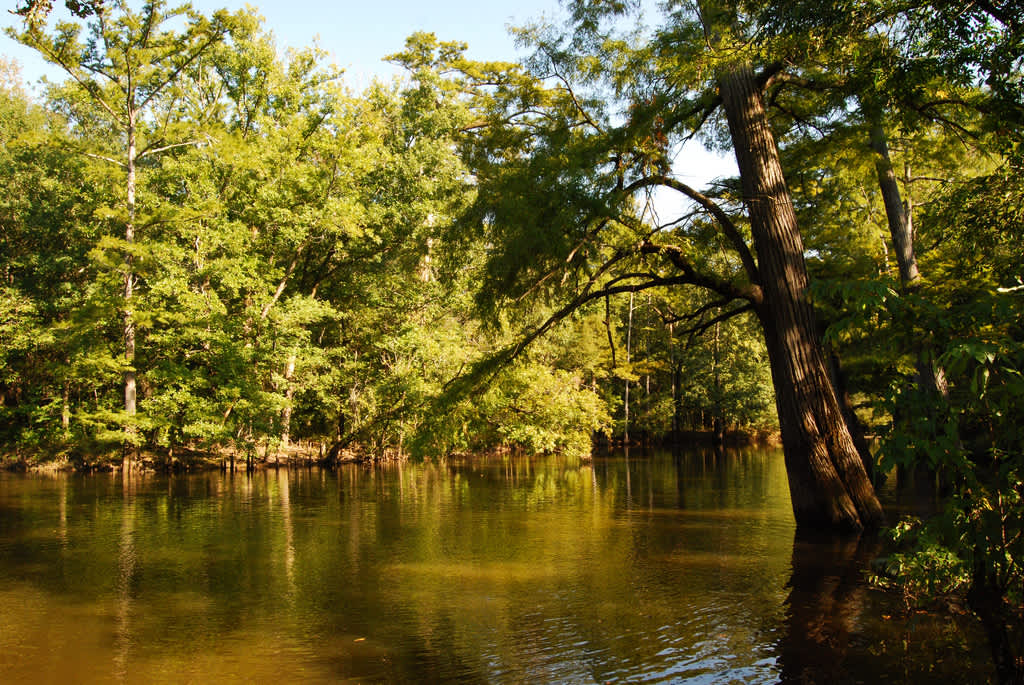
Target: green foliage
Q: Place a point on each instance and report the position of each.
(528, 406)
(314, 265)
(295, 277)
(923, 569)
(971, 434)
(980, 224)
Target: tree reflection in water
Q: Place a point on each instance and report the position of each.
(838, 629)
(826, 596)
(513, 569)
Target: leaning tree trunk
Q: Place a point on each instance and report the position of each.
(895, 213)
(932, 378)
(828, 485)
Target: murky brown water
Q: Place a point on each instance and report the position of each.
(651, 569)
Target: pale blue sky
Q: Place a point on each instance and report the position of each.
(359, 34)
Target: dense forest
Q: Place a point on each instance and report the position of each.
(212, 248)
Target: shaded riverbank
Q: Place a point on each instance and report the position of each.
(312, 453)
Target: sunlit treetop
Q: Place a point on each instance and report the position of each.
(35, 11)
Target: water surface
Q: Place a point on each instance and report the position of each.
(652, 568)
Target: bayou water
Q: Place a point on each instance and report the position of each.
(642, 568)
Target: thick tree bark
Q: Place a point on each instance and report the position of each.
(828, 485)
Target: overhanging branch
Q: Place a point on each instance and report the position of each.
(164, 148)
(711, 207)
(671, 318)
(699, 329)
(582, 299)
(681, 261)
(103, 158)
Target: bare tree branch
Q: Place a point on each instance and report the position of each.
(93, 92)
(216, 36)
(281, 285)
(572, 95)
(705, 110)
(580, 300)
(785, 77)
(103, 158)
(608, 327)
(164, 148)
(699, 329)
(697, 313)
(792, 114)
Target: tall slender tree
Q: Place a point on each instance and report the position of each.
(123, 74)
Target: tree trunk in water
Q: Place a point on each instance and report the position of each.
(717, 420)
(828, 485)
(629, 337)
(677, 405)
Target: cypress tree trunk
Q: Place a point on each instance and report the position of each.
(629, 337)
(65, 409)
(931, 378)
(827, 482)
(677, 403)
